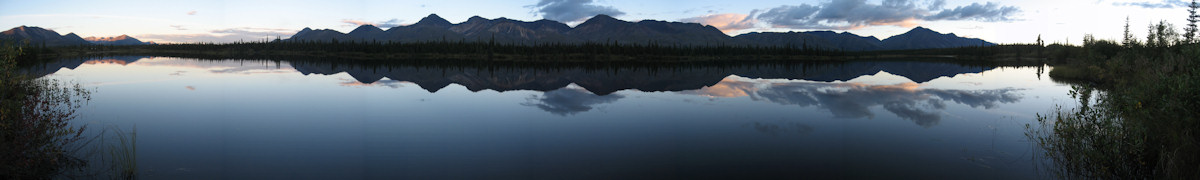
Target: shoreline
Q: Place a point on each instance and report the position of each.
(537, 58)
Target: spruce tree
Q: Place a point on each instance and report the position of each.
(1190, 31)
(1129, 41)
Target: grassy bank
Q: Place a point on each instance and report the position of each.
(1137, 115)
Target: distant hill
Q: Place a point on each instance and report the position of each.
(606, 29)
(322, 35)
(599, 29)
(119, 40)
(38, 36)
(367, 33)
(922, 38)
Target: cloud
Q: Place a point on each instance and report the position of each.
(853, 14)
(790, 16)
(381, 24)
(569, 101)
(937, 5)
(356, 22)
(1155, 5)
(726, 22)
(984, 12)
(389, 23)
(191, 88)
(572, 10)
(179, 27)
(221, 35)
(191, 13)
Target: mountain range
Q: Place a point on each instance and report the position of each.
(606, 29)
(36, 35)
(119, 40)
(40, 36)
(598, 29)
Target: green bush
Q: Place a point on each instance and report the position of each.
(36, 139)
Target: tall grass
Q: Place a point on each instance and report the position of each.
(1141, 123)
(122, 155)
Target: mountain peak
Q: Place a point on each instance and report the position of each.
(365, 27)
(433, 16)
(433, 20)
(115, 38)
(601, 19)
(366, 31)
(925, 38)
(920, 29)
(603, 16)
(476, 18)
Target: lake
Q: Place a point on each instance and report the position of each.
(251, 119)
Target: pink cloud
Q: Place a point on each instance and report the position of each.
(357, 22)
(728, 23)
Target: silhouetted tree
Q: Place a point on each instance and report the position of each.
(1190, 35)
(1041, 45)
(1162, 34)
(1129, 40)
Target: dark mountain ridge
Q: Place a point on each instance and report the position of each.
(606, 29)
(598, 29)
(39, 36)
(924, 38)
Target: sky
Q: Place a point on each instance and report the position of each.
(998, 21)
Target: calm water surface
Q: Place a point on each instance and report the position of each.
(244, 119)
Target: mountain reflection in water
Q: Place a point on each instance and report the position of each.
(600, 81)
(812, 84)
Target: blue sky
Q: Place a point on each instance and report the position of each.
(1001, 21)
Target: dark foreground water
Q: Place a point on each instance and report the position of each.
(242, 119)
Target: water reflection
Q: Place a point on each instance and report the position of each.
(780, 128)
(853, 100)
(205, 119)
(569, 101)
(598, 80)
(50, 67)
(806, 84)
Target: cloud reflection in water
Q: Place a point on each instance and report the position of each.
(853, 100)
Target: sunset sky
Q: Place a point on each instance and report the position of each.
(1007, 21)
